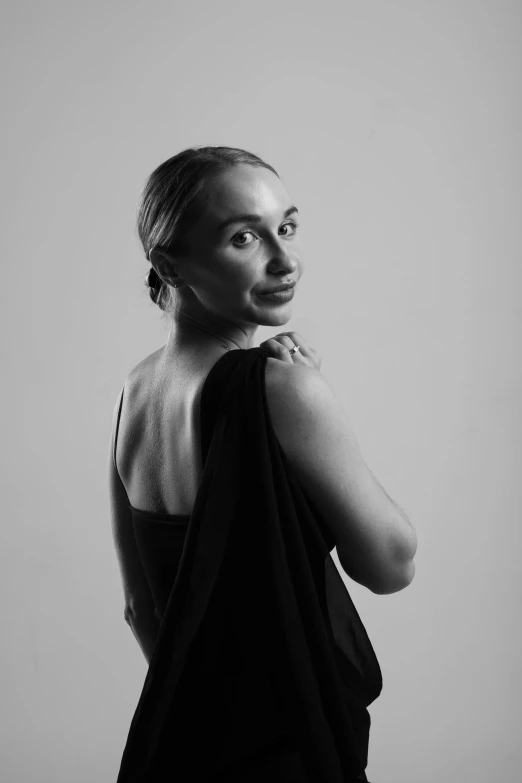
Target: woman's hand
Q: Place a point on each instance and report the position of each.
(280, 346)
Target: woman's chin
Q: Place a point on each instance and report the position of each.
(276, 318)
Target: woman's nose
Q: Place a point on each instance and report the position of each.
(283, 258)
(283, 264)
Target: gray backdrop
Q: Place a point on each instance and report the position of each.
(396, 128)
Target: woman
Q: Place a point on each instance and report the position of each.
(233, 474)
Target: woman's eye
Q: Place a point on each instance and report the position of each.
(291, 223)
(242, 234)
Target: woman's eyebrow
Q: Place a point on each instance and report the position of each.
(250, 218)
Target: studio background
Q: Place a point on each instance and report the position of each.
(396, 129)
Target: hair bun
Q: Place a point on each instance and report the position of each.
(153, 281)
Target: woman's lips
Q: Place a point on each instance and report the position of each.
(279, 296)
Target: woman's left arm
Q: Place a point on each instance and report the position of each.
(139, 607)
(145, 628)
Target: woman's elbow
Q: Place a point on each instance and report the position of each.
(398, 580)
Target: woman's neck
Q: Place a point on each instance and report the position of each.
(188, 332)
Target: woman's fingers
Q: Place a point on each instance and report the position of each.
(278, 350)
(282, 343)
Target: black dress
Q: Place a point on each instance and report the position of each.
(262, 669)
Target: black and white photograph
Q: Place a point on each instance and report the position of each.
(262, 392)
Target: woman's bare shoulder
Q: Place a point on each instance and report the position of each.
(290, 388)
(145, 365)
(277, 369)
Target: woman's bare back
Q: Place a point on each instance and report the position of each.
(158, 451)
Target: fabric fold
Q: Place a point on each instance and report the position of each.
(260, 639)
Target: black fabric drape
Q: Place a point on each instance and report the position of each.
(259, 641)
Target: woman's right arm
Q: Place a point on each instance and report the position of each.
(375, 541)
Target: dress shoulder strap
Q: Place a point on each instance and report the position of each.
(117, 428)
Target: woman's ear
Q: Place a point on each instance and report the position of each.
(164, 265)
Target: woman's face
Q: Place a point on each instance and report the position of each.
(231, 259)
